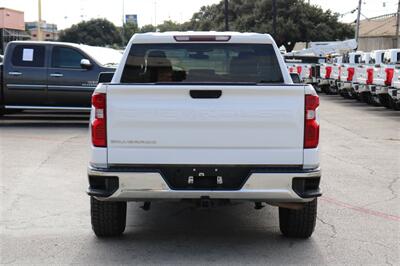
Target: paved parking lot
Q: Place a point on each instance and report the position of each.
(45, 212)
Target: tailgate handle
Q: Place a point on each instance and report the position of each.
(205, 94)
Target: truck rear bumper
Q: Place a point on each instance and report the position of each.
(344, 85)
(143, 185)
(322, 81)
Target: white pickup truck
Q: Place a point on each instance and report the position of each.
(394, 90)
(204, 117)
(347, 74)
(365, 76)
(383, 75)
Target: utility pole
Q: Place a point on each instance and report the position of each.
(358, 21)
(155, 14)
(226, 16)
(123, 24)
(274, 17)
(39, 30)
(397, 26)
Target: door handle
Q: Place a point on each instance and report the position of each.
(56, 75)
(13, 73)
(205, 94)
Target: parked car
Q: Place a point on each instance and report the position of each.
(383, 75)
(347, 74)
(204, 117)
(365, 76)
(52, 75)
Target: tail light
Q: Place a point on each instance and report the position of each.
(350, 73)
(370, 76)
(310, 72)
(299, 68)
(328, 71)
(340, 72)
(311, 126)
(389, 76)
(99, 129)
(291, 69)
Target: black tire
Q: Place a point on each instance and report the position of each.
(344, 94)
(331, 90)
(108, 218)
(365, 97)
(298, 223)
(375, 100)
(393, 104)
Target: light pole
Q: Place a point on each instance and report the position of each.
(39, 30)
(358, 21)
(226, 16)
(397, 26)
(274, 17)
(123, 24)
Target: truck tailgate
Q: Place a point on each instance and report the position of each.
(163, 124)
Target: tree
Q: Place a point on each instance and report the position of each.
(296, 21)
(97, 32)
(169, 25)
(128, 30)
(147, 28)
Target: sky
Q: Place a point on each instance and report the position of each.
(64, 13)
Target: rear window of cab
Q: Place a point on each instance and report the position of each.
(202, 63)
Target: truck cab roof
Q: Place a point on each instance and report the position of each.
(173, 37)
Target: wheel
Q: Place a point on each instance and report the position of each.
(394, 105)
(298, 223)
(324, 88)
(353, 94)
(375, 100)
(344, 94)
(108, 218)
(384, 100)
(365, 97)
(331, 90)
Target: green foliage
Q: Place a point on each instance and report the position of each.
(128, 30)
(296, 21)
(169, 25)
(97, 32)
(147, 28)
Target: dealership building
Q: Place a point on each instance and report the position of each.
(12, 27)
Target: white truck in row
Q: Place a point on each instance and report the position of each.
(368, 76)
(204, 117)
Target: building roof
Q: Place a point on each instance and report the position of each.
(10, 9)
(378, 26)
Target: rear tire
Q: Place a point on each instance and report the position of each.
(298, 223)
(384, 99)
(108, 218)
(331, 90)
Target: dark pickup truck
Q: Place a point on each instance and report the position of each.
(52, 75)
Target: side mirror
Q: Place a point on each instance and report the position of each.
(105, 77)
(85, 64)
(295, 77)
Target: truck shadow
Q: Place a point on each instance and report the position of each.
(171, 233)
(45, 119)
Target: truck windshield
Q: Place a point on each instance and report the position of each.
(202, 63)
(105, 56)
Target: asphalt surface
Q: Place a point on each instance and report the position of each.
(45, 211)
